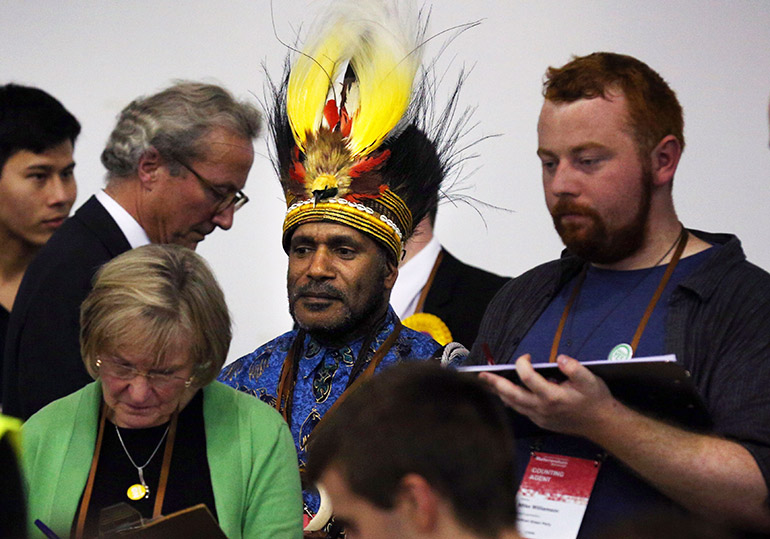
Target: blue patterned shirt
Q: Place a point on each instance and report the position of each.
(322, 376)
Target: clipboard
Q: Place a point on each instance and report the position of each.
(656, 386)
(195, 522)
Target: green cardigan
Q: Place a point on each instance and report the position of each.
(250, 452)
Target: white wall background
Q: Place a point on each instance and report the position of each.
(97, 55)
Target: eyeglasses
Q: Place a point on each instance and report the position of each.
(159, 379)
(236, 199)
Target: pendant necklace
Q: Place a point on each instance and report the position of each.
(140, 490)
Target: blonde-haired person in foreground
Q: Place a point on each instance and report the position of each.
(155, 430)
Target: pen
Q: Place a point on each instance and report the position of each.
(46, 530)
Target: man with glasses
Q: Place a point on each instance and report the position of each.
(177, 162)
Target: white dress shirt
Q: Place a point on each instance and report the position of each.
(412, 278)
(131, 229)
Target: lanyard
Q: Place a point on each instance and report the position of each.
(169, 449)
(288, 378)
(681, 244)
(429, 283)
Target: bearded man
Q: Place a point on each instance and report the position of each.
(356, 166)
(634, 282)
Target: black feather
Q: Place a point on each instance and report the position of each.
(281, 148)
(426, 148)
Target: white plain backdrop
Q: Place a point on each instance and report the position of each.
(97, 55)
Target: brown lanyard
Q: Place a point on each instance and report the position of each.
(429, 283)
(288, 378)
(681, 244)
(83, 511)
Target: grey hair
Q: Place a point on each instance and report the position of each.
(173, 121)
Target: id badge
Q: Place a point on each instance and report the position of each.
(553, 495)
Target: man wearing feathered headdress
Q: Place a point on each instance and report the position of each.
(355, 162)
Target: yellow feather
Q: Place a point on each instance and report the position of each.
(324, 181)
(380, 40)
(309, 83)
(385, 71)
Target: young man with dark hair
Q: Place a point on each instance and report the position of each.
(418, 452)
(635, 282)
(37, 183)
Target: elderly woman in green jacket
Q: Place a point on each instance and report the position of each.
(154, 430)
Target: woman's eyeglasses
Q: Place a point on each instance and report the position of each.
(159, 379)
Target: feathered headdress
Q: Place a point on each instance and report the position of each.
(348, 147)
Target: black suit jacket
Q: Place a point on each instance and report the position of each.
(42, 351)
(459, 296)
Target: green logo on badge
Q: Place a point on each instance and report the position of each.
(620, 352)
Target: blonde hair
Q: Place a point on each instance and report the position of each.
(157, 297)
